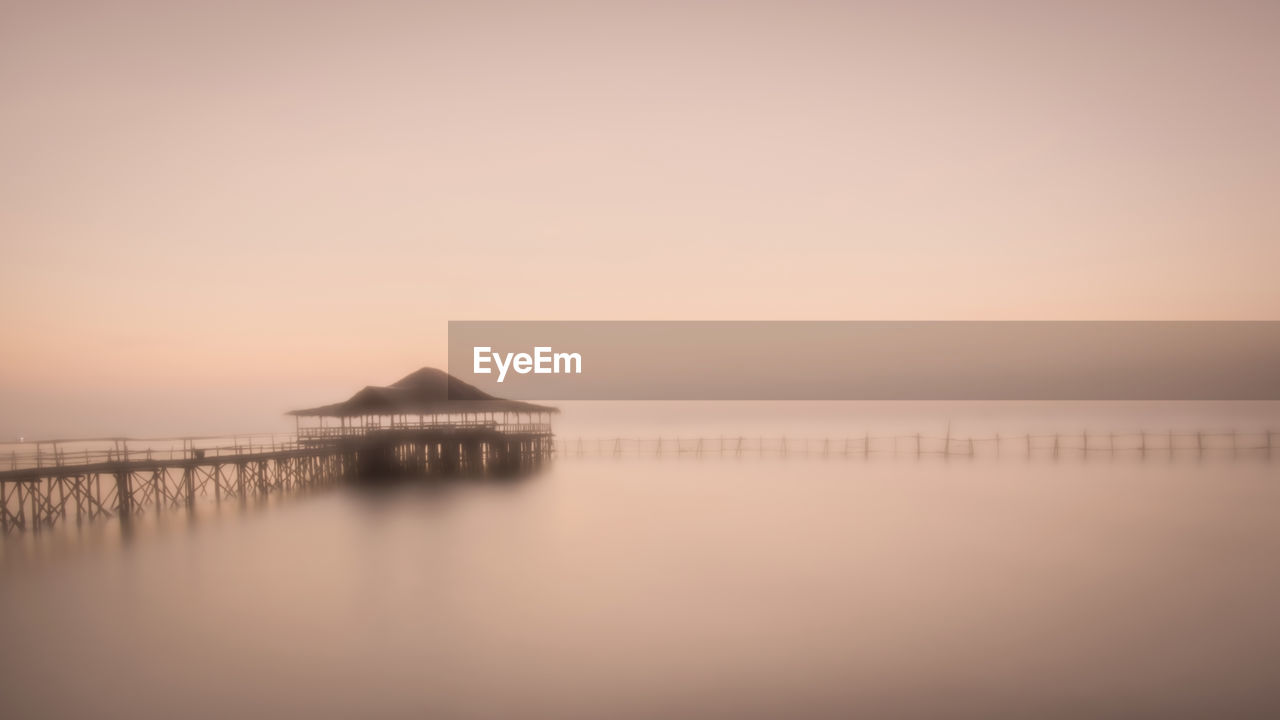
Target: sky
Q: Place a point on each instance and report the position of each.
(212, 212)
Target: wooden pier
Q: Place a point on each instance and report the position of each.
(55, 484)
(427, 425)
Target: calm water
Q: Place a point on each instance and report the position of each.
(676, 588)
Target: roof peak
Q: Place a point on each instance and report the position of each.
(423, 374)
(426, 389)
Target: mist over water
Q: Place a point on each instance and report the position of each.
(679, 587)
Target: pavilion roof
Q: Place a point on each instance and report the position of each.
(423, 392)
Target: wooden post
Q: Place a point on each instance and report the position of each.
(124, 494)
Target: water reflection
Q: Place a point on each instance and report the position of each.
(673, 588)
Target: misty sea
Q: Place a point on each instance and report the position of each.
(680, 585)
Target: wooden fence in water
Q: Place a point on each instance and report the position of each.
(1140, 444)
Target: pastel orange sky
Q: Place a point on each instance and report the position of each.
(213, 211)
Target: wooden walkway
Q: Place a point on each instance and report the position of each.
(63, 481)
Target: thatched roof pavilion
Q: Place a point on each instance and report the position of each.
(425, 397)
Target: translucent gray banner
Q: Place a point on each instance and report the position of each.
(713, 360)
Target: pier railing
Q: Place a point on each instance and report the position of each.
(70, 452)
(355, 431)
(73, 452)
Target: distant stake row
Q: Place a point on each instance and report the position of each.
(1140, 444)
